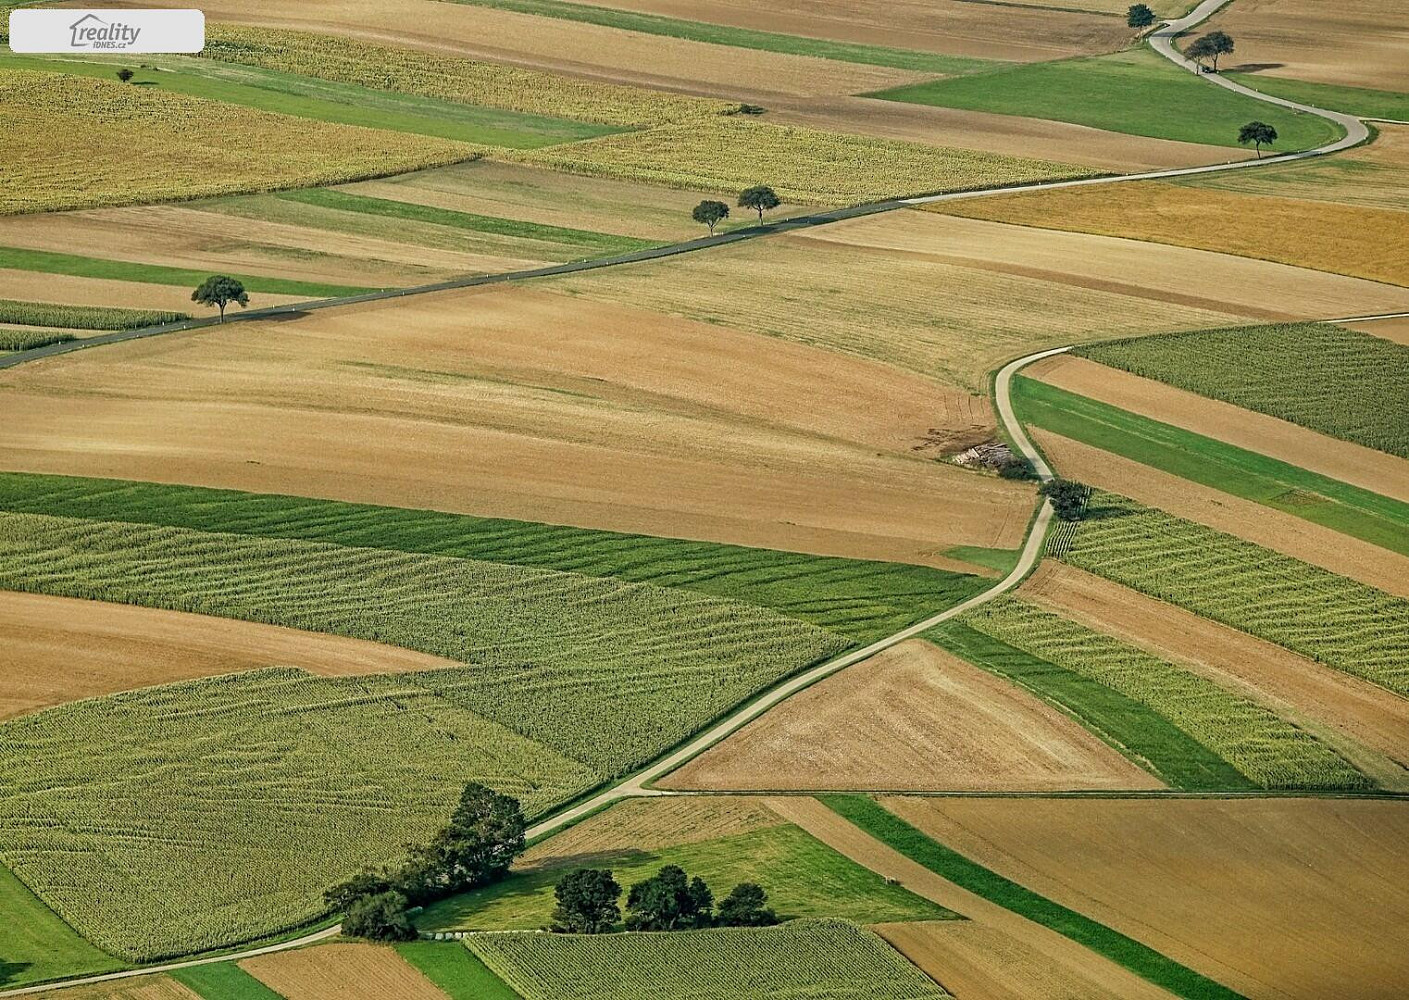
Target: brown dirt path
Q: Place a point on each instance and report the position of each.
(1099, 976)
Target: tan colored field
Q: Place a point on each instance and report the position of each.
(1342, 460)
(1314, 234)
(1396, 330)
(36, 286)
(1274, 898)
(1358, 43)
(915, 718)
(55, 649)
(522, 403)
(1365, 723)
(139, 988)
(1273, 529)
(1072, 963)
(342, 972)
(952, 27)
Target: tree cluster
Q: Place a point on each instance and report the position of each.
(477, 846)
(761, 198)
(1068, 498)
(588, 903)
(1209, 47)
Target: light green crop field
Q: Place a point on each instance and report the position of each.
(82, 317)
(1271, 752)
(1360, 101)
(825, 959)
(802, 876)
(223, 981)
(454, 968)
(1333, 380)
(1137, 91)
(36, 945)
(860, 599)
(1326, 617)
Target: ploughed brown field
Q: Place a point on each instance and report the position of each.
(915, 718)
(342, 972)
(57, 649)
(523, 403)
(140, 988)
(1282, 897)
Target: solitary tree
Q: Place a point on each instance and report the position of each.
(219, 290)
(667, 902)
(1220, 43)
(760, 198)
(125, 74)
(1139, 16)
(1068, 498)
(587, 902)
(1259, 133)
(379, 918)
(744, 907)
(711, 213)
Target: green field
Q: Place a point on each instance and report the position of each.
(822, 959)
(1340, 382)
(1269, 751)
(1326, 617)
(455, 969)
(223, 981)
(48, 262)
(741, 38)
(28, 340)
(82, 317)
(1136, 91)
(36, 946)
(802, 876)
(1348, 509)
(1138, 958)
(860, 599)
(1359, 101)
(328, 101)
(1131, 726)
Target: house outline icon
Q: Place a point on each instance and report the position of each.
(73, 28)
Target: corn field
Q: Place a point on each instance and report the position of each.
(81, 317)
(27, 340)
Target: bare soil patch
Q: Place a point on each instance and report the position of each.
(1366, 723)
(342, 972)
(520, 403)
(915, 718)
(55, 649)
(1273, 529)
(1396, 330)
(1295, 445)
(1273, 897)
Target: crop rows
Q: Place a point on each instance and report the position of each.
(27, 340)
(606, 672)
(82, 317)
(1330, 379)
(1271, 752)
(179, 818)
(1329, 618)
(827, 959)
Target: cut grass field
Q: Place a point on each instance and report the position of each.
(1363, 102)
(1135, 91)
(1371, 517)
(223, 981)
(1144, 961)
(36, 945)
(81, 317)
(1329, 618)
(826, 958)
(256, 151)
(1324, 377)
(455, 969)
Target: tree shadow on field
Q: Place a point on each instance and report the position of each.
(1252, 67)
(9, 971)
(1098, 511)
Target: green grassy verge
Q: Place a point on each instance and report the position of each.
(600, 244)
(328, 101)
(1137, 92)
(742, 38)
(36, 945)
(47, 262)
(1359, 101)
(1348, 509)
(223, 981)
(1124, 951)
(82, 317)
(861, 599)
(1132, 727)
(1002, 560)
(456, 970)
(28, 340)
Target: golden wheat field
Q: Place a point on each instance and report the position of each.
(186, 148)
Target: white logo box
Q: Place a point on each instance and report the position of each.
(107, 31)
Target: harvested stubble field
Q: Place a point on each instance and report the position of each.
(1324, 377)
(187, 152)
(913, 718)
(105, 293)
(1263, 747)
(824, 958)
(571, 412)
(1328, 618)
(1254, 893)
(143, 988)
(342, 971)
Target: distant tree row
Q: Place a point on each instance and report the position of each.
(589, 903)
(761, 198)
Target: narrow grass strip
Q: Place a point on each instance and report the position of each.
(741, 38)
(48, 262)
(82, 317)
(599, 243)
(1363, 102)
(1352, 511)
(456, 970)
(1133, 728)
(1126, 952)
(223, 981)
